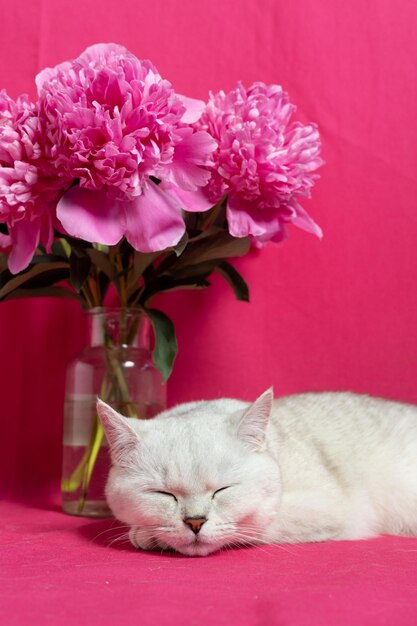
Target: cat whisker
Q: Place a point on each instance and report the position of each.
(111, 529)
(249, 537)
(120, 540)
(255, 538)
(149, 529)
(253, 532)
(250, 542)
(112, 537)
(226, 525)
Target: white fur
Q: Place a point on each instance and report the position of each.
(310, 467)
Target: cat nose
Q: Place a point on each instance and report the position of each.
(195, 523)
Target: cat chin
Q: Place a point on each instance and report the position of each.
(143, 540)
(198, 549)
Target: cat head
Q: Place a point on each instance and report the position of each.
(195, 478)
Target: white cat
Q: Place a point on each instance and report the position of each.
(310, 467)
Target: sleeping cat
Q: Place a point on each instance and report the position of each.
(309, 467)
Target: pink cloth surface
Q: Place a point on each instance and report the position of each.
(56, 569)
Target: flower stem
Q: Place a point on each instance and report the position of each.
(113, 385)
(93, 450)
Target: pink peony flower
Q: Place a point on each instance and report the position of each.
(264, 162)
(27, 197)
(112, 123)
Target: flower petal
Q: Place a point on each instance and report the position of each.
(264, 161)
(110, 120)
(303, 220)
(192, 201)
(188, 169)
(47, 229)
(5, 241)
(25, 239)
(245, 219)
(92, 215)
(193, 109)
(153, 220)
(49, 73)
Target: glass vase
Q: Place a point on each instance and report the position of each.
(116, 366)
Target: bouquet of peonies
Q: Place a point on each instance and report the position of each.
(113, 178)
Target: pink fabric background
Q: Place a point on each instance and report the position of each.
(69, 576)
(336, 314)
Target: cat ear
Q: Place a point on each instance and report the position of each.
(253, 425)
(123, 440)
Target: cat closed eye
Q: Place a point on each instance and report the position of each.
(166, 493)
(221, 489)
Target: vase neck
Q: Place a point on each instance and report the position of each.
(119, 327)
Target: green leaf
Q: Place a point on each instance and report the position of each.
(43, 292)
(76, 244)
(46, 279)
(235, 280)
(36, 275)
(101, 247)
(4, 258)
(212, 245)
(58, 249)
(189, 285)
(101, 260)
(80, 265)
(181, 245)
(141, 261)
(197, 280)
(197, 270)
(46, 258)
(104, 284)
(218, 245)
(166, 347)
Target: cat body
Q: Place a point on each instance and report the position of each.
(308, 467)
